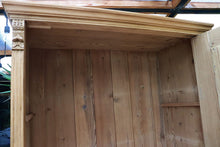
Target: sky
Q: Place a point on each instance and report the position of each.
(209, 18)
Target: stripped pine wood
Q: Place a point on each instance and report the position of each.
(143, 123)
(81, 39)
(17, 100)
(50, 94)
(37, 99)
(122, 101)
(208, 86)
(103, 97)
(26, 93)
(153, 73)
(182, 125)
(65, 125)
(108, 3)
(84, 99)
(177, 74)
(104, 20)
(91, 80)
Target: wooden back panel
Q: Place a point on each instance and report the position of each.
(85, 98)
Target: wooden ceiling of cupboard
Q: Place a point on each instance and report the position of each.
(55, 26)
(55, 16)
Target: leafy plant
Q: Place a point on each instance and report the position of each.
(6, 74)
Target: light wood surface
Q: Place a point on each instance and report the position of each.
(81, 39)
(141, 99)
(122, 100)
(181, 124)
(102, 19)
(18, 86)
(104, 92)
(206, 56)
(17, 100)
(84, 99)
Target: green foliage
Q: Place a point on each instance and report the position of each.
(7, 75)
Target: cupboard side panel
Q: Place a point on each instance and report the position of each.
(206, 54)
(182, 125)
(177, 74)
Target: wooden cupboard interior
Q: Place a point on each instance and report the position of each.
(93, 77)
(111, 89)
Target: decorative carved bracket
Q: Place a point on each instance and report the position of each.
(18, 34)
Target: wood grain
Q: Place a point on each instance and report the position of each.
(84, 99)
(182, 125)
(103, 96)
(208, 86)
(105, 20)
(37, 99)
(122, 101)
(65, 125)
(99, 40)
(17, 100)
(177, 74)
(50, 85)
(143, 122)
(154, 84)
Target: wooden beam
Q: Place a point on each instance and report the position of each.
(108, 3)
(177, 6)
(206, 50)
(204, 4)
(175, 3)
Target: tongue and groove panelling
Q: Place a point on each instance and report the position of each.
(83, 98)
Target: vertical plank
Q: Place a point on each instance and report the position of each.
(27, 91)
(104, 109)
(178, 132)
(37, 98)
(122, 102)
(18, 84)
(155, 97)
(208, 90)
(84, 99)
(17, 99)
(50, 95)
(64, 107)
(141, 100)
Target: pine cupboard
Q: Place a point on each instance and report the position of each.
(90, 77)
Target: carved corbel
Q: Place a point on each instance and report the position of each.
(18, 34)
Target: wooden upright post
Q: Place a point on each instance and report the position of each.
(206, 51)
(17, 84)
